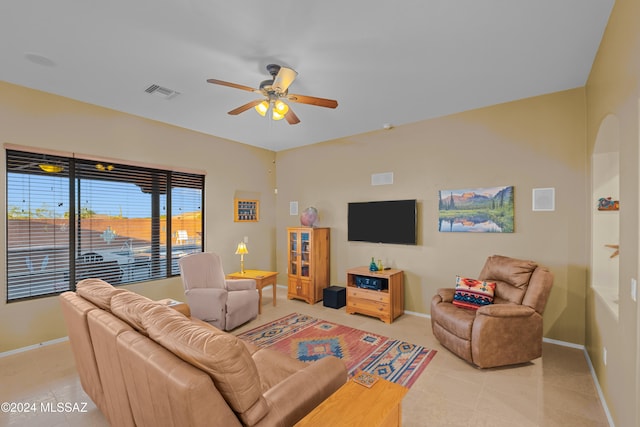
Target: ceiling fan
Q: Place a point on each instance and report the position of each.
(274, 92)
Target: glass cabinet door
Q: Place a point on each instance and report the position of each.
(304, 253)
(293, 256)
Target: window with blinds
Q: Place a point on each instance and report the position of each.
(69, 219)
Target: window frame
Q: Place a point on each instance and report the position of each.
(78, 172)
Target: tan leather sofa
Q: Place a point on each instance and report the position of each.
(145, 364)
(507, 332)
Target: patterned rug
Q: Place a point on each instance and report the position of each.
(307, 339)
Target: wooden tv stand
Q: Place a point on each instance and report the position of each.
(386, 304)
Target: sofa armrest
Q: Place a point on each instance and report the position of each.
(207, 304)
(445, 294)
(293, 398)
(240, 284)
(505, 310)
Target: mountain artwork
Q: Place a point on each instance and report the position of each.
(476, 210)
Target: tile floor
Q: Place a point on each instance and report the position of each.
(555, 390)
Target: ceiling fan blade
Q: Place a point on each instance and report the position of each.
(283, 79)
(245, 107)
(234, 85)
(291, 117)
(312, 100)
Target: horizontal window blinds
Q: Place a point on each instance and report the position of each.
(87, 218)
(186, 214)
(38, 206)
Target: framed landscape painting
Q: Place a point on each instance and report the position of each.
(479, 210)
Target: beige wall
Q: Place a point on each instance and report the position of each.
(532, 143)
(613, 91)
(32, 118)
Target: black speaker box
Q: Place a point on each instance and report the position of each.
(334, 297)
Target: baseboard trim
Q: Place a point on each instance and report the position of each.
(600, 394)
(33, 347)
(564, 343)
(415, 313)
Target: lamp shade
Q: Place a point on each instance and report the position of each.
(262, 108)
(242, 249)
(279, 110)
(281, 107)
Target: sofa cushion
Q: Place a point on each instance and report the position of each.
(98, 292)
(472, 293)
(130, 307)
(223, 356)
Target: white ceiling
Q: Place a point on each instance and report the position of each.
(385, 62)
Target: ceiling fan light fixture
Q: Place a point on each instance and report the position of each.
(281, 107)
(262, 108)
(273, 90)
(50, 168)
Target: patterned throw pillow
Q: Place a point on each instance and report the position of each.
(473, 294)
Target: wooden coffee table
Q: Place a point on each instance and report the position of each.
(356, 405)
(262, 278)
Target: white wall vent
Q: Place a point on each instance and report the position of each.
(162, 91)
(385, 178)
(293, 208)
(544, 199)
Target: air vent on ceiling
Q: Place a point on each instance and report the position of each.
(162, 91)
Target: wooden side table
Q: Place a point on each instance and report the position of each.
(262, 278)
(356, 405)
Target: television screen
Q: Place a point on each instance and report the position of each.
(392, 221)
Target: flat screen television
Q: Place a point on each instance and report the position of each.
(391, 221)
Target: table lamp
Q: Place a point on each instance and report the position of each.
(241, 250)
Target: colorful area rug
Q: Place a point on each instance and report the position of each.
(307, 339)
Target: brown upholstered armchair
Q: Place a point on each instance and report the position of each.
(506, 332)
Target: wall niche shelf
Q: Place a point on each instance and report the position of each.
(246, 210)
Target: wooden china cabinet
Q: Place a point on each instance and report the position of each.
(308, 263)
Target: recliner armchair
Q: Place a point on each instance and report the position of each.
(224, 303)
(506, 332)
